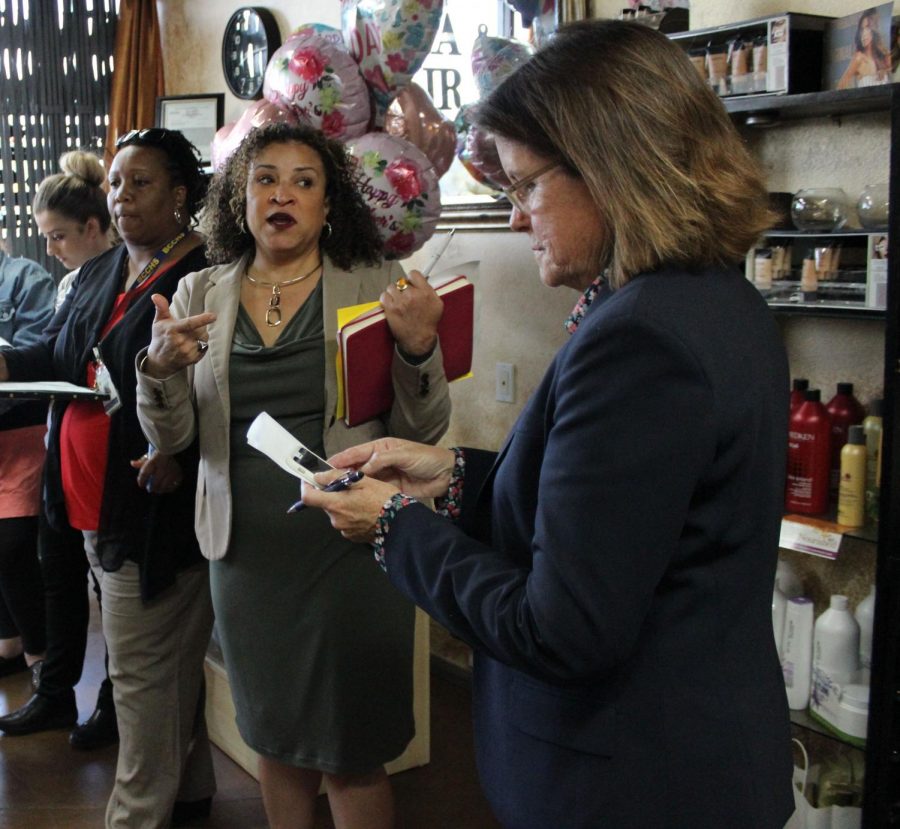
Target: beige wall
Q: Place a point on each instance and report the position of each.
(519, 321)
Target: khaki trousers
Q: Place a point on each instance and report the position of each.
(156, 658)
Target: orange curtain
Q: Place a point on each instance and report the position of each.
(137, 78)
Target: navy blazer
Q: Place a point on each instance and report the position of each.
(614, 571)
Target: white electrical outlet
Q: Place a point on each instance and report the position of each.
(504, 374)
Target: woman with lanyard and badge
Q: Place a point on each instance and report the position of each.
(136, 509)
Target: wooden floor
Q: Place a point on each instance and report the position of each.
(44, 784)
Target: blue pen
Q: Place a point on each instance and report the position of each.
(344, 482)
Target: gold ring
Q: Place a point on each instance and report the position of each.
(402, 284)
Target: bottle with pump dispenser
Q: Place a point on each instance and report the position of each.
(845, 411)
(852, 488)
(809, 456)
(796, 659)
(872, 427)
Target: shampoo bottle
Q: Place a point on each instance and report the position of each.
(845, 411)
(835, 647)
(852, 488)
(809, 454)
(779, 606)
(796, 660)
(787, 580)
(865, 617)
(798, 392)
(872, 428)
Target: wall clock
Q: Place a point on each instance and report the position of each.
(251, 37)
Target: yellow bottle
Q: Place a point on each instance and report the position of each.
(852, 488)
(872, 428)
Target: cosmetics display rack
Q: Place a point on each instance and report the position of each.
(855, 287)
(867, 554)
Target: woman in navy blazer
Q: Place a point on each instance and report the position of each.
(612, 566)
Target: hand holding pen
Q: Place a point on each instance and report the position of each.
(338, 484)
(403, 283)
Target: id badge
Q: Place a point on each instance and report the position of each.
(103, 383)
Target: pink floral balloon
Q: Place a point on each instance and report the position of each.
(493, 58)
(318, 81)
(400, 186)
(477, 151)
(390, 40)
(258, 114)
(413, 116)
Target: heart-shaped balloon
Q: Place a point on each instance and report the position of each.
(413, 116)
(317, 80)
(390, 40)
(400, 186)
(258, 114)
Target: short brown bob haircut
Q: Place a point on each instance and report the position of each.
(621, 107)
(353, 237)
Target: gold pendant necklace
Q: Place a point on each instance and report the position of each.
(273, 312)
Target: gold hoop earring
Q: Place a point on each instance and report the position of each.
(326, 230)
(242, 225)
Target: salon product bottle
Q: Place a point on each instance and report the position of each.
(865, 618)
(763, 266)
(779, 606)
(809, 278)
(836, 645)
(845, 411)
(798, 392)
(872, 428)
(796, 659)
(809, 453)
(852, 487)
(787, 580)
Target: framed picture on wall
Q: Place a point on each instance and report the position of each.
(198, 117)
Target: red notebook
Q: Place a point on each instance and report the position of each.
(367, 349)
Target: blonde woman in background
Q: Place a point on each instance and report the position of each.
(70, 212)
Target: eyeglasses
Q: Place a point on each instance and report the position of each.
(519, 193)
(151, 135)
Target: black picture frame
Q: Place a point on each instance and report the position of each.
(198, 117)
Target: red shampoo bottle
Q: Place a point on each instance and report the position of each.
(809, 456)
(798, 393)
(845, 411)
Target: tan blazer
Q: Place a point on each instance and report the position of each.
(196, 401)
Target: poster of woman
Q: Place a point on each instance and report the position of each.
(857, 49)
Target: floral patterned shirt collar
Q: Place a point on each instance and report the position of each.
(574, 319)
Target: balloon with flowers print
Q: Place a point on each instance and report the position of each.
(320, 29)
(316, 80)
(494, 58)
(390, 40)
(477, 151)
(400, 186)
(258, 114)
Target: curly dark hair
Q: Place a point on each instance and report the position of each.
(354, 237)
(182, 161)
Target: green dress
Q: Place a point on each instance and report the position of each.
(317, 642)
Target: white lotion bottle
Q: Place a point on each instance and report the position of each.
(787, 580)
(796, 661)
(836, 645)
(779, 607)
(865, 617)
